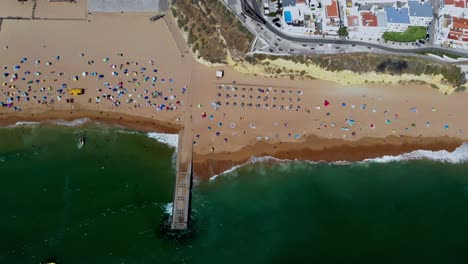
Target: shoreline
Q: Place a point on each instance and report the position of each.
(143, 124)
(315, 149)
(312, 149)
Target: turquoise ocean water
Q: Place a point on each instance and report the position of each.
(108, 201)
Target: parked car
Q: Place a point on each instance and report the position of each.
(278, 24)
(276, 20)
(422, 41)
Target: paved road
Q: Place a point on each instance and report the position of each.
(128, 6)
(253, 7)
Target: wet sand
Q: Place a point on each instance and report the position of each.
(320, 150)
(232, 118)
(122, 120)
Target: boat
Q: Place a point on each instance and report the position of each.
(81, 142)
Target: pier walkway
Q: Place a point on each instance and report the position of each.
(183, 182)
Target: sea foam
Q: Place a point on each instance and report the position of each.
(76, 122)
(24, 124)
(169, 139)
(168, 208)
(459, 155)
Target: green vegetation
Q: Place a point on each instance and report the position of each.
(343, 32)
(362, 63)
(411, 34)
(213, 30)
(461, 89)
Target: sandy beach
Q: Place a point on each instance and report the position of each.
(138, 74)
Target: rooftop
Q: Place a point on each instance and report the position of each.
(456, 3)
(289, 2)
(368, 19)
(419, 9)
(332, 10)
(459, 22)
(399, 16)
(353, 21)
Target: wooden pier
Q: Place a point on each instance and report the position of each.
(183, 182)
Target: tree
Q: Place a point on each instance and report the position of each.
(343, 32)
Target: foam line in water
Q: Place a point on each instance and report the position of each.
(76, 122)
(168, 208)
(169, 139)
(24, 124)
(459, 155)
(252, 160)
(227, 171)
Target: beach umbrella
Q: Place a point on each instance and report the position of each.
(6, 74)
(57, 57)
(101, 76)
(17, 67)
(199, 106)
(37, 73)
(105, 59)
(203, 115)
(94, 74)
(84, 74)
(48, 63)
(75, 78)
(5, 84)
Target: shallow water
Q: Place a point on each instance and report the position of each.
(107, 203)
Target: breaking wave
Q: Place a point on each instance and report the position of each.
(459, 155)
(73, 123)
(170, 139)
(24, 124)
(76, 122)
